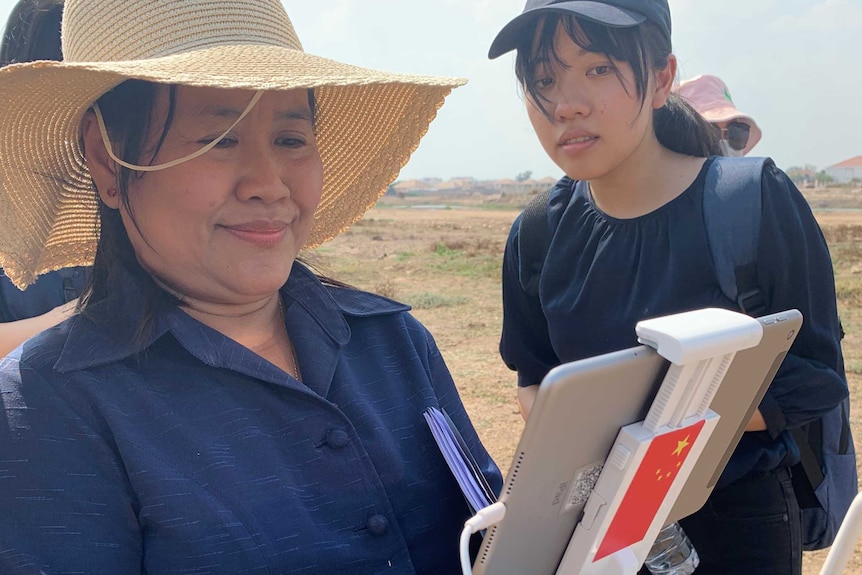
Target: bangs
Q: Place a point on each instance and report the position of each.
(619, 44)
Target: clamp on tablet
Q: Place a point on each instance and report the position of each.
(651, 460)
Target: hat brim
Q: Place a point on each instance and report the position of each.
(730, 114)
(507, 39)
(369, 122)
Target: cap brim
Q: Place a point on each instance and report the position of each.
(599, 12)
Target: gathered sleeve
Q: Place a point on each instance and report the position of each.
(795, 271)
(525, 344)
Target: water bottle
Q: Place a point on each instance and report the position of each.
(672, 553)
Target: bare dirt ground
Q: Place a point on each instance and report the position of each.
(445, 262)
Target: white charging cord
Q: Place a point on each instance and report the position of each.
(483, 519)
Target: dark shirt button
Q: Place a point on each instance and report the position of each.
(337, 438)
(377, 525)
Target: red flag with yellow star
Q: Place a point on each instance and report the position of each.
(648, 488)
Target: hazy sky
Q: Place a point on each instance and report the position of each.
(794, 65)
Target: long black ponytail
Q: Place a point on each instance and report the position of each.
(681, 129)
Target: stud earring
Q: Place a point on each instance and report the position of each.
(111, 192)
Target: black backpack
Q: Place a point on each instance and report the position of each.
(825, 480)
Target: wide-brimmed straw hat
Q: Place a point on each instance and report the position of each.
(368, 121)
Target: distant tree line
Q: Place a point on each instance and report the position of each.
(809, 174)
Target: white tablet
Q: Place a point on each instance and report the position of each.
(579, 409)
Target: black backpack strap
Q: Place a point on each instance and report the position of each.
(810, 462)
(534, 237)
(732, 209)
(5, 313)
(70, 289)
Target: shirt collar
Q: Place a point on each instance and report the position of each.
(108, 332)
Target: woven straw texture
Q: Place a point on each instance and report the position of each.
(368, 121)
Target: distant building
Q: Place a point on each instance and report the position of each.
(468, 186)
(407, 187)
(464, 183)
(515, 188)
(457, 186)
(802, 177)
(846, 171)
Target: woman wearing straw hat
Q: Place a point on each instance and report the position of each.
(215, 407)
(33, 33)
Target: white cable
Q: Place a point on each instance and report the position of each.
(466, 533)
(483, 519)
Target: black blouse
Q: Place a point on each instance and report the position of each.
(602, 275)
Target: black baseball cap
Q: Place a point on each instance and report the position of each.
(614, 13)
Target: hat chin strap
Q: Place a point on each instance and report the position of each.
(172, 163)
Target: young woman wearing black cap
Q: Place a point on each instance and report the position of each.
(627, 221)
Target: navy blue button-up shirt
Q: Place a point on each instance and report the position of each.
(188, 453)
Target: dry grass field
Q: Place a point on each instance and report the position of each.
(445, 262)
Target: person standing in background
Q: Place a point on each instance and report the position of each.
(627, 241)
(709, 95)
(33, 33)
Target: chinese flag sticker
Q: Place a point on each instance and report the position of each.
(648, 488)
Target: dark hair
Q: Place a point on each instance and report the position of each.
(677, 125)
(32, 32)
(127, 111)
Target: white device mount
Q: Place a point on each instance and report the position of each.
(615, 534)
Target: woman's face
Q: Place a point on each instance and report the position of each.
(596, 118)
(226, 226)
